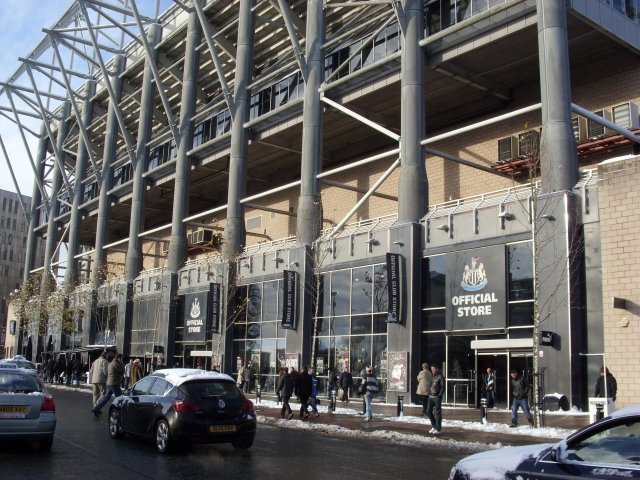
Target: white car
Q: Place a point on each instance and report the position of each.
(27, 410)
(608, 448)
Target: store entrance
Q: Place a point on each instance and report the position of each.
(499, 362)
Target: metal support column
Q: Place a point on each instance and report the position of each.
(556, 212)
(558, 157)
(108, 157)
(235, 231)
(413, 189)
(309, 202)
(404, 235)
(36, 200)
(178, 239)
(73, 246)
(133, 263)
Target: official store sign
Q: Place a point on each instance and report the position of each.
(201, 314)
(476, 292)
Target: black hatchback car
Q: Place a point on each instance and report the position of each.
(177, 407)
(609, 448)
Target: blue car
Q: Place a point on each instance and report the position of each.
(607, 449)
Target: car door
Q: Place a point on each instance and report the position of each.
(134, 407)
(610, 450)
(151, 407)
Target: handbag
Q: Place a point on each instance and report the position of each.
(363, 387)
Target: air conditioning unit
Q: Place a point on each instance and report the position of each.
(626, 115)
(507, 148)
(201, 236)
(596, 130)
(528, 143)
(579, 125)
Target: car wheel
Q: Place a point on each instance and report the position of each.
(45, 444)
(115, 424)
(163, 437)
(242, 443)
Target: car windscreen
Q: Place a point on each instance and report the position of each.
(16, 382)
(211, 388)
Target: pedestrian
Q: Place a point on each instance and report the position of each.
(69, 368)
(304, 391)
(313, 397)
(425, 379)
(136, 372)
(332, 382)
(78, 371)
(346, 382)
(199, 364)
(52, 369)
(370, 389)
(99, 370)
(606, 388)
(434, 404)
(60, 368)
(285, 391)
(240, 379)
(114, 380)
(127, 373)
(247, 377)
(520, 390)
(160, 363)
(490, 387)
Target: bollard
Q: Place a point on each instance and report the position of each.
(400, 405)
(258, 393)
(483, 410)
(332, 407)
(599, 411)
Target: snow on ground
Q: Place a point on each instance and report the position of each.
(401, 438)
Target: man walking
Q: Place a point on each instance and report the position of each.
(127, 373)
(520, 391)
(99, 371)
(434, 403)
(114, 379)
(304, 391)
(285, 390)
(370, 382)
(490, 387)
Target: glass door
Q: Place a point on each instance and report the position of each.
(499, 362)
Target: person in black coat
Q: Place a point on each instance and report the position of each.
(285, 390)
(611, 385)
(304, 390)
(346, 382)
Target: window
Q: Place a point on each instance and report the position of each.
(9, 238)
(14, 225)
(160, 387)
(1, 222)
(4, 204)
(142, 387)
(15, 207)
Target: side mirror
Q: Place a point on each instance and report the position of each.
(555, 454)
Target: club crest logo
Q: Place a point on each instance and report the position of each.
(474, 277)
(195, 309)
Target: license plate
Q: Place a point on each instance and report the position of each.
(222, 428)
(13, 411)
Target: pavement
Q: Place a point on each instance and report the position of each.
(459, 423)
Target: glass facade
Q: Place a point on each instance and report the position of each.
(350, 329)
(257, 336)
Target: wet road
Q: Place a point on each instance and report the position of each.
(82, 448)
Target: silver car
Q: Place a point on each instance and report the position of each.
(27, 410)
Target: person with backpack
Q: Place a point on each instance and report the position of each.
(520, 391)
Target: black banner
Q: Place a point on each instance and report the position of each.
(394, 288)
(196, 317)
(289, 287)
(476, 292)
(214, 307)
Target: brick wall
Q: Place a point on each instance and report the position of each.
(619, 196)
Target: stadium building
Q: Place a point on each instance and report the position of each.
(343, 184)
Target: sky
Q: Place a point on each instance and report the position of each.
(22, 22)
